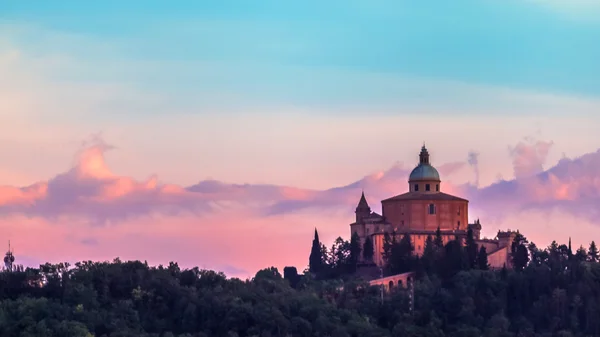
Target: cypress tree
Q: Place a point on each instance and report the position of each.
(570, 251)
(428, 257)
(368, 249)
(471, 249)
(355, 250)
(593, 252)
(519, 252)
(482, 259)
(315, 261)
(439, 241)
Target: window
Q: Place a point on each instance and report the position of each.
(437, 187)
(458, 224)
(427, 187)
(416, 187)
(402, 222)
(431, 209)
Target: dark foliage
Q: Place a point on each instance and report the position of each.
(368, 249)
(556, 293)
(315, 261)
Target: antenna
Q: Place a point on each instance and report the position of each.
(9, 258)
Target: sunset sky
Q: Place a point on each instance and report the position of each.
(131, 128)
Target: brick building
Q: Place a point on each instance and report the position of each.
(420, 211)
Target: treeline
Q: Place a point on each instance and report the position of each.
(121, 299)
(444, 260)
(552, 292)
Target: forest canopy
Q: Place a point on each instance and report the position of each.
(552, 292)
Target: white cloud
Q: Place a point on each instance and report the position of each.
(587, 10)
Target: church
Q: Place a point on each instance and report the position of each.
(420, 212)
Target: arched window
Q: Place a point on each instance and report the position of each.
(416, 187)
(431, 209)
(427, 187)
(437, 187)
(391, 285)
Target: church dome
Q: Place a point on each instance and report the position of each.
(424, 171)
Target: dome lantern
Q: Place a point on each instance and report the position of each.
(424, 177)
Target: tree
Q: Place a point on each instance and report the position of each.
(268, 274)
(482, 259)
(368, 249)
(581, 254)
(593, 252)
(315, 261)
(454, 259)
(401, 256)
(570, 252)
(519, 252)
(355, 250)
(428, 257)
(388, 242)
(439, 241)
(471, 249)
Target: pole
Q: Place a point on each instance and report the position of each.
(411, 294)
(381, 287)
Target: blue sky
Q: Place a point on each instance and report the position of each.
(309, 94)
(301, 52)
(298, 87)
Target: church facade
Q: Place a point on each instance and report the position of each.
(420, 212)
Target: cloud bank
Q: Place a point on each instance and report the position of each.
(90, 212)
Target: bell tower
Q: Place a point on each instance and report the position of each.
(362, 210)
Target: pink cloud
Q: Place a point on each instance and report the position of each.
(529, 157)
(241, 228)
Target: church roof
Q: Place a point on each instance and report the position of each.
(424, 196)
(363, 201)
(424, 171)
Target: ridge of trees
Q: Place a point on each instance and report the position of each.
(556, 293)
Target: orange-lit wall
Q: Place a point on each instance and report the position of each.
(414, 214)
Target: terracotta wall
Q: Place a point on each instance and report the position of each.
(414, 214)
(498, 259)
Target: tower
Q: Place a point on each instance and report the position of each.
(476, 228)
(9, 259)
(362, 210)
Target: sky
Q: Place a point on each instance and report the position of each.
(192, 131)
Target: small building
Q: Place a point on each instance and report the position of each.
(420, 212)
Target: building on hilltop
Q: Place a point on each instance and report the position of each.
(420, 212)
